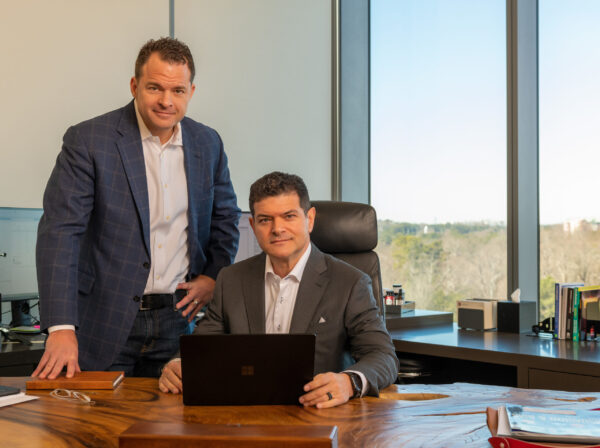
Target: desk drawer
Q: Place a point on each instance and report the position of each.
(547, 379)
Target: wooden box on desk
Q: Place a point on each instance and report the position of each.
(187, 435)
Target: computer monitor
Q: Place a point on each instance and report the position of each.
(18, 279)
(248, 246)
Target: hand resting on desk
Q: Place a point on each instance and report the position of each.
(337, 384)
(61, 350)
(170, 378)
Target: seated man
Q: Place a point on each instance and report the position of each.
(295, 288)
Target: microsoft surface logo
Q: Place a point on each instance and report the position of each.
(247, 370)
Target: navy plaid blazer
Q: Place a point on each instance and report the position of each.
(93, 249)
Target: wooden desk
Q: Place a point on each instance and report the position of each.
(507, 359)
(456, 420)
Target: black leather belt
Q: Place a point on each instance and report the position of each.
(156, 301)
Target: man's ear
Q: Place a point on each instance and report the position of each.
(133, 86)
(251, 221)
(310, 214)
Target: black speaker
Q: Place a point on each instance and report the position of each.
(516, 317)
(470, 318)
(20, 313)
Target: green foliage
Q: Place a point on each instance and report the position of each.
(445, 301)
(547, 297)
(389, 229)
(438, 264)
(416, 250)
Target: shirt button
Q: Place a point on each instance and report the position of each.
(160, 246)
(136, 298)
(168, 217)
(146, 265)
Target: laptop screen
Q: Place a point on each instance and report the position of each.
(246, 369)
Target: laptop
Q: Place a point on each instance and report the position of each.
(246, 369)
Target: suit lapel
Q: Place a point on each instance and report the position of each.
(310, 293)
(132, 155)
(192, 160)
(254, 295)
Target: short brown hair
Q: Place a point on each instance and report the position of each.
(276, 183)
(170, 50)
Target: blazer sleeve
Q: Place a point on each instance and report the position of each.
(370, 344)
(213, 321)
(68, 202)
(224, 233)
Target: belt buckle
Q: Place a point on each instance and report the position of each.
(142, 307)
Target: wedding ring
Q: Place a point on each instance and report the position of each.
(196, 302)
(330, 396)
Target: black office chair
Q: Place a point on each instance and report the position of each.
(348, 231)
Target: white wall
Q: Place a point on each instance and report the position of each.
(264, 82)
(63, 61)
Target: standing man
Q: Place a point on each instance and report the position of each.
(292, 287)
(140, 204)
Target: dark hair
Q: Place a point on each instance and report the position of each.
(170, 50)
(276, 183)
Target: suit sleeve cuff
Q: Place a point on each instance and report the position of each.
(60, 327)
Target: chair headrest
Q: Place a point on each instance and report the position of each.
(344, 227)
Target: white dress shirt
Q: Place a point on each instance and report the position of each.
(168, 200)
(280, 295)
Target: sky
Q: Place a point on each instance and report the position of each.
(438, 110)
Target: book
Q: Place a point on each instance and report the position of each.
(563, 312)
(576, 314)
(569, 315)
(590, 310)
(556, 308)
(560, 308)
(82, 380)
(548, 424)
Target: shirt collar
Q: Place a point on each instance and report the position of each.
(146, 134)
(297, 270)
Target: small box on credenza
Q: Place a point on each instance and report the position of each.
(406, 307)
(516, 317)
(477, 314)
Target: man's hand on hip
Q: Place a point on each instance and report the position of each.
(61, 350)
(170, 378)
(199, 293)
(327, 390)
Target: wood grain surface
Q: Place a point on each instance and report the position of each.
(451, 415)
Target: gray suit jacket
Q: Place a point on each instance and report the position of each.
(351, 335)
